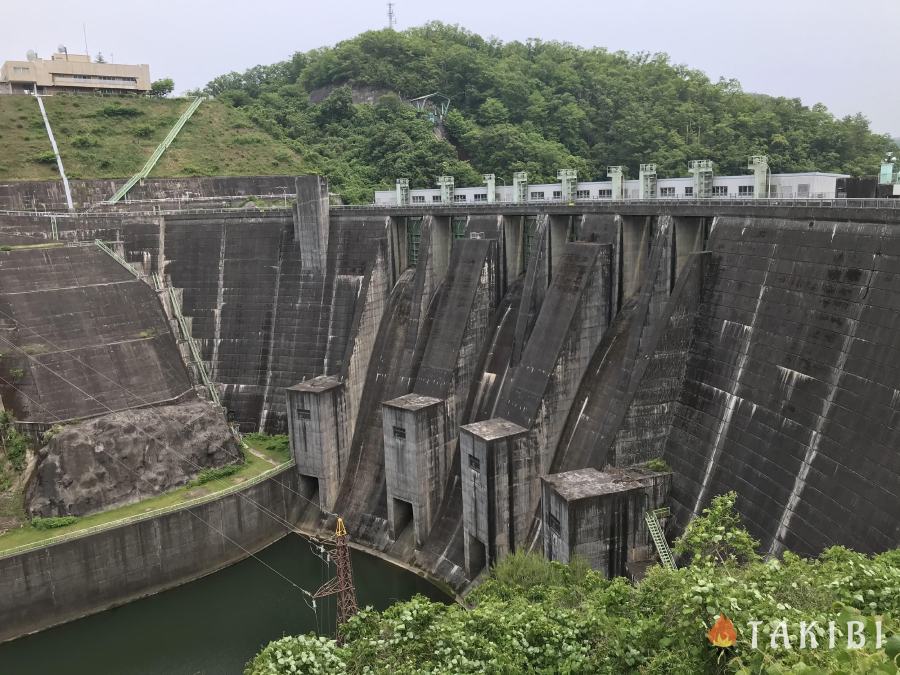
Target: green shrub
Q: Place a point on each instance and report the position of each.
(119, 110)
(217, 473)
(6, 247)
(46, 157)
(39, 523)
(144, 131)
(17, 374)
(658, 464)
(84, 141)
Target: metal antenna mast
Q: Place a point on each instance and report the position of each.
(392, 18)
(342, 583)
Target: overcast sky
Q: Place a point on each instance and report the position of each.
(843, 54)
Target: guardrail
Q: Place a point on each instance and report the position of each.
(679, 201)
(77, 534)
(483, 207)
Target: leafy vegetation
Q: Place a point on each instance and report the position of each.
(39, 523)
(537, 616)
(103, 137)
(162, 87)
(215, 473)
(658, 464)
(278, 444)
(534, 106)
(14, 448)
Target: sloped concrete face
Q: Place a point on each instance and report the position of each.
(599, 516)
(790, 395)
(82, 337)
(416, 462)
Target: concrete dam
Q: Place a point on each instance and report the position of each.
(461, 382)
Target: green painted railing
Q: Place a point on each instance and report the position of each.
(659, 539)
(160, 149)
(192, 346)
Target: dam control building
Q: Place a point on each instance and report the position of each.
(72, 73)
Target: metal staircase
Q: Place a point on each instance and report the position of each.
(115, 256)
(160, 149)
(659, 539)
(192, 346)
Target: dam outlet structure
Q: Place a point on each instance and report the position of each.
(460, 381)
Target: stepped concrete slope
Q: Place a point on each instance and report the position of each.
(81, 337)
(442, 363)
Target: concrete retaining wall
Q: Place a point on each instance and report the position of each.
(44, 587)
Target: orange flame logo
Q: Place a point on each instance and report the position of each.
(722, 634)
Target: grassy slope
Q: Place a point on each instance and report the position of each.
(11, 504)
(218, 140)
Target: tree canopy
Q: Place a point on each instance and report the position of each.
(535, 106)
(162, 87)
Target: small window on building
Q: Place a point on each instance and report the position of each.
(435, 198)
(459, 198)
(557, 194)
(537, 195)
(720, 191)
(583, 194)
(474, 463)
(689, 191)
(481, 196)
(303, 414)
(554, 523)
(399, 432)
(745, 190)
(418, 199)
(803, 190)
(604, 193)
(667, 192)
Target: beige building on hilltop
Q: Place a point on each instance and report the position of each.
(65, 72)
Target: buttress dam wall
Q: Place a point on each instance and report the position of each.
(751, 347)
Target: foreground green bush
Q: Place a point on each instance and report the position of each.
(536, 616)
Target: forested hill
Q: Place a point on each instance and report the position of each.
(534, 106)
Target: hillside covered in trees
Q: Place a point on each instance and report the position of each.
(534, 106)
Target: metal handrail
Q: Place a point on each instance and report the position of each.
(838, 202)
(115, 256)
(158, 152)
(192, 347)
(659, 539)
(268, 473)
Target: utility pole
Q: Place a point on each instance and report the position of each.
(341, 584)
(392, 18)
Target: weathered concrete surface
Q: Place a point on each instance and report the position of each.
(86, 335)
(30, 195)
(384, 330)
(45, 587)
(128, 456)
(599, 516)
(791, 390)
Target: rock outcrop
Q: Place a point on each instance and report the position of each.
(128, 456)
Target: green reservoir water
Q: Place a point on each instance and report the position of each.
(212, 625)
